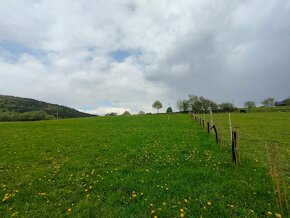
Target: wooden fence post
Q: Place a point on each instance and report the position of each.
(216, 135)
(208, 127)
(234, 146)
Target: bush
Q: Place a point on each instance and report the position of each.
(169, 110)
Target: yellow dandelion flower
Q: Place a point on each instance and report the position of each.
(69, 210)
(181, 210)
(14, 214)
(42, 193)
(269, 213)
(6, 197)
(182, 215)
(152, 211)
(230, 205)
(208, 203)
(134, 195)
(278, 215)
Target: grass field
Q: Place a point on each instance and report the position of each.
(130, 166)
(255, 130)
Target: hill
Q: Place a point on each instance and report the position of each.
(133, 166)
(23, 109)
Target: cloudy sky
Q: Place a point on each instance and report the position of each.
(109, 55)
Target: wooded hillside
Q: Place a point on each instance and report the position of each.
(22, 109)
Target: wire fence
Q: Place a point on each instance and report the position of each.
(251, 140)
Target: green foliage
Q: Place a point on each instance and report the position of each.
(89, 168)
(268, 102)
(25, 109)
(250, 104)
(169, 110)
(287, 101)
(111, 114)
(126, 113)
(227, 107)
(157, 105)
(183, 105)
(197, 104)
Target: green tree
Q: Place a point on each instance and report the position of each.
(250, 104)
(227, 107)
(126, 113)
(195, 104)
(111, 114)
(169, 110)
(268, 102)
(287, 101)
(183, 105)
(157, 105)
(141, 113)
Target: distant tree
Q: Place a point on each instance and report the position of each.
(126, 113)
(179, 105)
(195, 104)
(169, 110)
(250, 104)
(268, 102)
(183, 105)
(111, 114)
(227, 107)
(157, 105)
(212, 105)
(141, 113)
(287, 101)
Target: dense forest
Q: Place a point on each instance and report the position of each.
(25, 109)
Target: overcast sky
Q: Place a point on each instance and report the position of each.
(110, 55)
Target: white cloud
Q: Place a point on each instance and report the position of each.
(222, 50)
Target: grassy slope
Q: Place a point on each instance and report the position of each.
(257, 129)
(93, 165)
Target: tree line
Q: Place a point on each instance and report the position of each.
(200, 104)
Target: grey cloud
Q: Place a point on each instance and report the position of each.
(223, 50)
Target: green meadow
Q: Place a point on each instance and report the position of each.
(255, 131)
(137, 166)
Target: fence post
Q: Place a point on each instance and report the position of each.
(231, 131)
(235, 148)
(211, 118)
(216, 135)
(238, 149)
(202, 123)
(208, 127)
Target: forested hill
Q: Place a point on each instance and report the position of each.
(16, 108)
